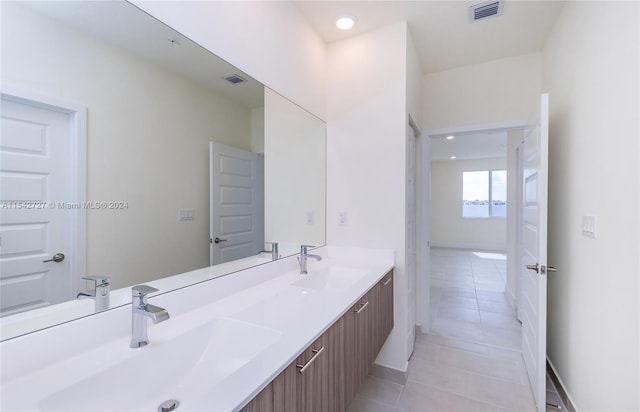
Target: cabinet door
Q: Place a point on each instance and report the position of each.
(358, 348)
(385, 309)
(263, 402)
(312, 382)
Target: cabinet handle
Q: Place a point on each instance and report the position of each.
(362, 306)
(386, 282)
(316, 352)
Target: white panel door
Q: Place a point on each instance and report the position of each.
(411, 239)
(534, 256)
(35, 174)
(234, 204)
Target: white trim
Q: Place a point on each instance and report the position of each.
(564, 387)
(469, 246)
(503, 126)
(78, 130)
(424, 233)
(426, 199)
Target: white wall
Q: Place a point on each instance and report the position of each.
(591, 71)
(366, 133)
(295, 178)
(498, 91)
(269, 41)
(448, 227)
(147, 144)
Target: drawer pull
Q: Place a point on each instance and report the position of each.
(316, 352)
(362, 306)
(386, 282)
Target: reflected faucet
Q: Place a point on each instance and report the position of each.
(274, 250)
(140, 311)
(303, 258)
(100, 293)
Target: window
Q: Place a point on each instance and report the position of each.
(484, 193)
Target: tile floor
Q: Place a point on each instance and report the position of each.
(471, 360)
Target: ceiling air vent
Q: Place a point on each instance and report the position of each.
(234, 79)
(485, 10)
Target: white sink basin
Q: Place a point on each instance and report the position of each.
(182, 367)
(330, 279)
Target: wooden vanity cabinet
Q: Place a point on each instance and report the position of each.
(384, 322)
(328, 374)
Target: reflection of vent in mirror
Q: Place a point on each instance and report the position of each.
(485, 10)
(234, 79)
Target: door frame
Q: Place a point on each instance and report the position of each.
(426, 135)
(78, 131)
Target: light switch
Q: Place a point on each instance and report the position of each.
(185, 214)
(310, 218)
(589, 226)
(343, 219)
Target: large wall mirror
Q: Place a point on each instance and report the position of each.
(120, 138)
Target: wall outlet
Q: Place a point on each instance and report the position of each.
(589, 226)
(185, 214)
(310, 218)
(343, 219)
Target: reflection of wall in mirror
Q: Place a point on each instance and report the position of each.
(295, 162)
(148, 134)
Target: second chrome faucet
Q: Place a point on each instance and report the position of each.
(140, 312)
(304, 255)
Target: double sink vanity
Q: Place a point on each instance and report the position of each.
(265, 338)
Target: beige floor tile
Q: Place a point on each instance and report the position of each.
(510, 395)
(366, 404)
(458, 329)
(483, 364)
(469, 293)
(458, 302)
(425, 353)
(461, 314)
(500, 321)
(418, 397)
(495, 307)
(381, 391)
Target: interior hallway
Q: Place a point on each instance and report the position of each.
(471, 361)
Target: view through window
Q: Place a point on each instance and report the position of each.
(484, 193)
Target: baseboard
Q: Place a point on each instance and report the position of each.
(562, 391)
(389, 374)
(468, 246)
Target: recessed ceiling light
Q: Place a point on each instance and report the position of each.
(452, 157)
(450, 137)
(345, 22)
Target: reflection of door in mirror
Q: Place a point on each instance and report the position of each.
(37, 212)
(234, 204)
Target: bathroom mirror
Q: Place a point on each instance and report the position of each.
(152, 102)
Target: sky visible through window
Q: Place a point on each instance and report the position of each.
(484, 193)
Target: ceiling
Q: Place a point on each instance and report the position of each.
(125, 26)
(475, 145)
(441, 31)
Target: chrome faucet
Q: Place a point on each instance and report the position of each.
(141, 310)
(303, 258)
(100, 293)
(274, 250)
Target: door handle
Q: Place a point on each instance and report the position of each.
(534, 267)
(542, 269)
(218, 240)
(58, 257)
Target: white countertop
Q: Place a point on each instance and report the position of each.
(262, 296)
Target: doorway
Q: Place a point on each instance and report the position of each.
(42, 219)
(472, 284)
